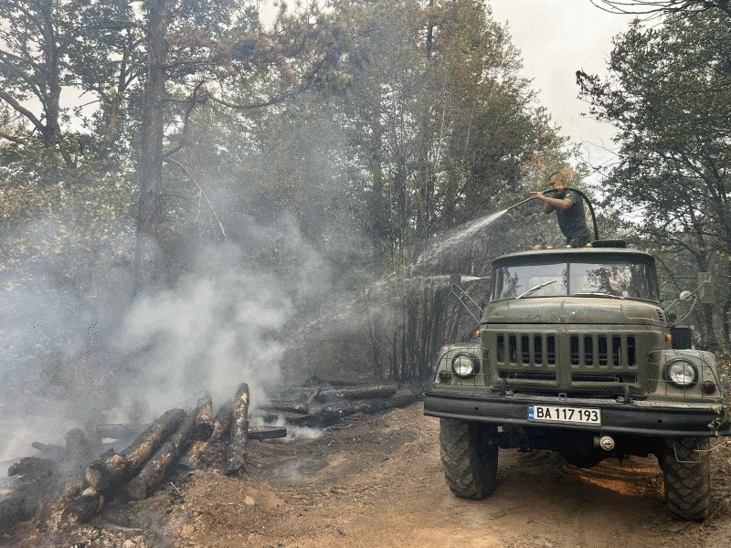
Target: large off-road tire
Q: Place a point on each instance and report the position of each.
(687, 477)
(469, 458)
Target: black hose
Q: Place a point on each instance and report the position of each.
(586, 199)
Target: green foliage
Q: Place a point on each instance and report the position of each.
(50, 47)
(668, 93)
(51, 234)
(324, 152)
(723, 362)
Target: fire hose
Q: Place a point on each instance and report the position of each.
(583, 196)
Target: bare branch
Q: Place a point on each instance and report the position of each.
(200, 190)
(199, 95)
(658, 8)
(22, 110)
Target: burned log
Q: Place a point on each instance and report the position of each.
(223, 421)
(40, 477)
(84, 507)
(158, 466)
(355, 393)
(284, 407)
(221, 427)
(330, 414)
(16, 508)
(99, 475)
(297, 419)
(150, 440)
(113, 469)
(78, 452)
(77, 456)
(33, 468)
(239, 431)
(203, 415)
(36, 478)
(315, 380)
(192, 457)
(49, 451)
(267, 432)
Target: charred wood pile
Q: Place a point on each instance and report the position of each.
(176, 442)
(321, 403)
(34, 476)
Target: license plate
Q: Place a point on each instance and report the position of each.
(566, 415)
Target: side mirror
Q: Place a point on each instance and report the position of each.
(705, 288)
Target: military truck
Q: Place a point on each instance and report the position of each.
(576, 355)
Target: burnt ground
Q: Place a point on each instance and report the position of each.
(376, 481)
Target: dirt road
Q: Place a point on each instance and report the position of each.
(376, 482)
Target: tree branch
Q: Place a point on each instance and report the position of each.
(20, 109)
(12, 138)
(192, 179)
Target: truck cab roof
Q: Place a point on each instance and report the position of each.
(583, 254)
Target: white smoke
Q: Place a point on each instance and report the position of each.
(207, 336)
(294, 432)
(111, 355)
(41, 329)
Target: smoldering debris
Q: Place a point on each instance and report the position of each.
(36, 476)
(239, 431)
(221, 427)
(70, 354)
(173, 444)
(321, 403)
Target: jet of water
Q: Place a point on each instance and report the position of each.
(438, 247)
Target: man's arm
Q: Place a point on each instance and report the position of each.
(552, 204)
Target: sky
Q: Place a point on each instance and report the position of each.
(557, 38)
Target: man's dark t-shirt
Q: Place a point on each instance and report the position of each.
(572, 221)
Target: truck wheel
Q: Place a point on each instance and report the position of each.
(687, 477)
(469, 458)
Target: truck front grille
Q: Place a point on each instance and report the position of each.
(526, 375)
(565, 360)
(599, 377)
(617, 350)
(526, 349)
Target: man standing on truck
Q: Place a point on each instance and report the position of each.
(569, 208)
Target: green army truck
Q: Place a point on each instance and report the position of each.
(575, 355)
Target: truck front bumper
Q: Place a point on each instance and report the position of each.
(641, 417)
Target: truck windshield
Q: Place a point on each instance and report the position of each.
(619, 280)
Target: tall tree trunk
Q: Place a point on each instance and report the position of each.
(430, 32)
(726, 309)
(705, 313)
(52, 97)
(401, 221)
(149, 214)
(380, 218)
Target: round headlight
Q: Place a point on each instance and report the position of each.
(464, 366)
(681, 373)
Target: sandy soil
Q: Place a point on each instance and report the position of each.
(376, 481)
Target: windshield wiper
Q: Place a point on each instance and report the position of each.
(535, 288)
(597, 295)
